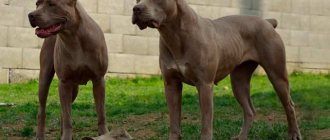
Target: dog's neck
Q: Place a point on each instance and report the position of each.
(182, 19)
(70, 35)
(185, 20)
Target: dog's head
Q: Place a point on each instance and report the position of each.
(153, 13)
(52, 16)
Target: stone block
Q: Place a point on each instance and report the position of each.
(204, 11)
(319, 66)
(31, 58)
(40, 42)
(147, 64)
(211, 12)
(320, 24)
(153, 46)
(133, 64)
(125, 75)
(3, 36)
(4, 76)
(128, 7)
(10, 57)
(315, 71)
(244, 4)
(292, 54)
(250, 12)
(26, 22)
(121, 63)
(314, 55)
(260, 71)
(319, 40)
(273, 5)
(257, 4)
(292, 67)
(326, 4)
(275, 15)
(4, 2)
(22, 75)
(285, 35)
(135, 45)
(11, 15)
(147, 32)
(113, 7)
(114, 42)
(230, 11)
(301, 6)
(222, 3)
(295, 22)
(23, 3)
(317, 7)
(199, 2)
(216, 12)
(89, 5)
(22, 37)
(122, 25)
(103, 20)
(299, 38)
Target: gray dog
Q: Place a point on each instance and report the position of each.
(201, 52)
(75, 49)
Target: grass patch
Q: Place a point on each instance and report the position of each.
(139, 106)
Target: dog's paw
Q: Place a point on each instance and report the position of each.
(174, 137)
(234, 138)
(238, 138)
(39, 138)
(87, 138)
(295, 136)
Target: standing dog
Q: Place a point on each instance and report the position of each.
(201, 52)
(75, 49)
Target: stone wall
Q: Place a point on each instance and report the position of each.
(303, 24)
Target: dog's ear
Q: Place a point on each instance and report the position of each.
(73, 2)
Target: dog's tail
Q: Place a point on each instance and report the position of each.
(273, 22)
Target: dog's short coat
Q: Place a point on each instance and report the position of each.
(201, 52)
(76, 51)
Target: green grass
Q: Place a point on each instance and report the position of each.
(139, 106)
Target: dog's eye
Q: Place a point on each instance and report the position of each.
(38, 3)
(137, 1)
(51, 4)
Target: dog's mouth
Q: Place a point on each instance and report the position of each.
(144, 24)
(50, 30)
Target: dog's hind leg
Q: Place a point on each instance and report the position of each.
(274, 63)
(279, 79)
(240, 80)
(45, 77)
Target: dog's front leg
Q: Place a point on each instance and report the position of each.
(173, 93)
(205, 92)
(99, 97)
(45, 77)
(65, 90)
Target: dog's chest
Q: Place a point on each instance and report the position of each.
(184, 71)
(181, 68)
(75, 68)
(79, 74)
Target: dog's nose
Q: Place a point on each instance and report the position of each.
(138, 9)
(32, 19)
(31, 16)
